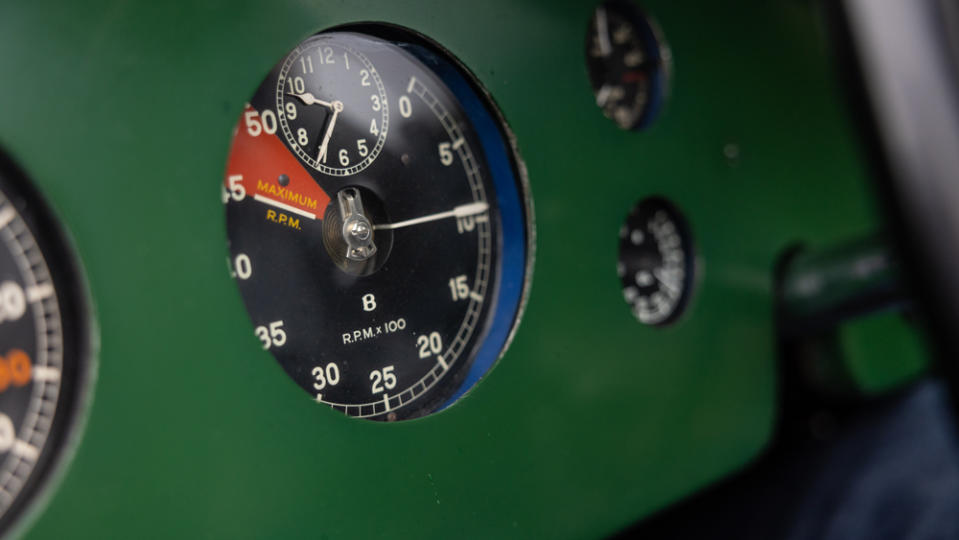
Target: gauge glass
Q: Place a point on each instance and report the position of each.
(387, 278)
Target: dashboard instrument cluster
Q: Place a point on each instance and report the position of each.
(430, 218)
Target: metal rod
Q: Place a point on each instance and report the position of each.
(819, 289)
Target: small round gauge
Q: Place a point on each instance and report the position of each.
(331, 105)
(385, 288)
(656, 261)
(43, 344)
(628, 64)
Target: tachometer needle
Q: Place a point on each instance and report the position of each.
(463, 210)
(309, 99)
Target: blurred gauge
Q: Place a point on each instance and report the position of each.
(628, 63)
(43, 344)
(656, 261)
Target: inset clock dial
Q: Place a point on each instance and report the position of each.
(332, 106)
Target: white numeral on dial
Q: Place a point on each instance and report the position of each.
(272, 336)
(13, 303)
(429, 345)
(242, 267)
(406, 108)
(446, 155)
(330, 375)
(458, 287)
(7, 433)
(236, 190)
(382, 378)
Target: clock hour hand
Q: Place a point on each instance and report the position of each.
(309, 99)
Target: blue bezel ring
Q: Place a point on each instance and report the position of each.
(512, 213)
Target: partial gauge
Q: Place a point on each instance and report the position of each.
(656, 261)
(628, 63)
(387, 291)
(43, 345)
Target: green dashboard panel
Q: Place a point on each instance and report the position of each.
(122, 114)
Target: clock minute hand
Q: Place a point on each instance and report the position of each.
(321, 153)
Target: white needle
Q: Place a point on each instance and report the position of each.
(463, 210)
(602, 32)
(603, 95)
(309, 99)
(321, 155)
(283, 206)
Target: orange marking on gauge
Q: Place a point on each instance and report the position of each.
(5, 375)
(261, 159)
(633, 76)
(20, 367)
(15, 368)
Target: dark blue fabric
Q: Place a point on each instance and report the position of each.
(895, 476)
(890, 472)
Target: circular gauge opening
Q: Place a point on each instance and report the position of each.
(657, 261)
(44, 358)
(629, 64)
(379, 224)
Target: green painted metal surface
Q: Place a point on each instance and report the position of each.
(122, 113)
(884, 351)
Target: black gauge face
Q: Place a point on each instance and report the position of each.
(386, 283)
(656, 261)
(628, 64)
(42, 344)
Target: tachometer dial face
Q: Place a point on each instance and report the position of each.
(656, 261)
(42, 344)
(385, 288)
(628, 63)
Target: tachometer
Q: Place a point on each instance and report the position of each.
(378, 222)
